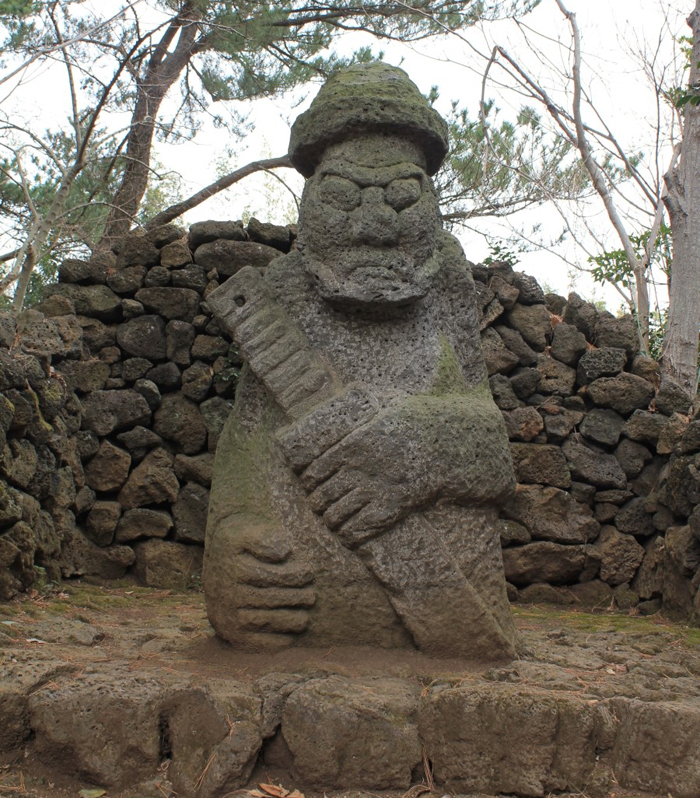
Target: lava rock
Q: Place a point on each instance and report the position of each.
(624, 393)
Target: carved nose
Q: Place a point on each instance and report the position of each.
(375, 223)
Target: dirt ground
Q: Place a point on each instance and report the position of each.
(79, 626)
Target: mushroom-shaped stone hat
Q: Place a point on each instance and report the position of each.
(367, 98)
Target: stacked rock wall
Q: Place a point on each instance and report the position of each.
(39, 462)
(156, 385)
(607, 453)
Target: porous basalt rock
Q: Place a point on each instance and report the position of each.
(283, 567)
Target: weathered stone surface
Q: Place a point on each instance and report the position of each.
(108, 469)
(144, 337)
(164, 563)
(80, 557)
(203, 232)
(552, 514)
(503, 393)
(516, 343)
(499, 359)
(690, 442)
(555, 303)
(597, 363)
(645, 426)
(197, 380)
(560, 424)
(96, 335)
(214, 737)
(506, 293)
(583, 315)
(632, 456)
(126, 280)
(195, 469)
(214, 411)
(617, 334)
(667, 732)
(228, 257)
(682, 547)
(513, 532)
(178, 420)
(272, 235)
(180, 335)
(175, 254)
(102, 521)
(190, 513)
(633, 519)
(95, 301)
(602, 426)
(209, 347)
(136, 250)
(142, 522)
(647, 368)
(191, 276)
(568, 344)
(533, 322)
(133, 368)
(596, 468)
(530, 291)
(103, 727)
(149, 390)
(672, 397)
(139, 441)
(672, 433)
(460, 729)
(358, 734)
(543, 465)
(171, 303)
(525, 381)
(153, 481)
(523, 423)
(543, 561)
(419, 448)
(61, 336)
(557, 378)
(620, 556)
(157, 277)
(105, 412)
(624, 393)
(165, 376)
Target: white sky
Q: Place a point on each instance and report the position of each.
(609, 30)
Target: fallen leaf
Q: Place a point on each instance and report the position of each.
(96, 793)
(274, 790)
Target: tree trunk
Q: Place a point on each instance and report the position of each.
(164, 68)
(680, 353)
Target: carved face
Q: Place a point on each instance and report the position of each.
(368, 227)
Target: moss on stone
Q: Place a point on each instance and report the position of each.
(449, 378)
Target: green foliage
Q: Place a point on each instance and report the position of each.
(498, 167)
(203, 56)
(680, 96)
(614, 267)
(502, 253)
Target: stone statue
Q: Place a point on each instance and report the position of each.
(357, 481)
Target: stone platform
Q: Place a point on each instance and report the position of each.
(127, 690)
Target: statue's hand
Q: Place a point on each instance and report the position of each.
(273, 591)
(418, 450)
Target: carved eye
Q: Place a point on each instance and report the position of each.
(340, 193)
(402, 193)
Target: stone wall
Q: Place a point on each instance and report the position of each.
(607, 453)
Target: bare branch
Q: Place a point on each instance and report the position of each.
(214, 188)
